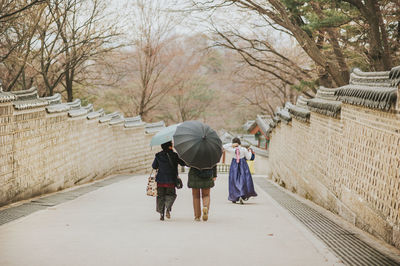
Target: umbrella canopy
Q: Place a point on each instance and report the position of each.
(197, 144)
(163, 135)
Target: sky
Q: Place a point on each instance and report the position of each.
(197, 22)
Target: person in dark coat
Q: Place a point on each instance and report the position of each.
(201, 182)
(166, 163)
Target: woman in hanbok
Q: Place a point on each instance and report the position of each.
(241, 185)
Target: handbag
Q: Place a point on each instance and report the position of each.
(151, 186)
(178, 181)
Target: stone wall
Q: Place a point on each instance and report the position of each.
(42, 152)
(349, 165)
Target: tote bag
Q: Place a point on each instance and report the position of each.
(151, 185)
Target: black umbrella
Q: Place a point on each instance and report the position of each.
(197, 144)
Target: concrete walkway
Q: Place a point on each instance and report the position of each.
(117, 225)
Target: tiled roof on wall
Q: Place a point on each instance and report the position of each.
(107, 118)
(116, 120)
(300, 111)
(265, 123)
(371, 89)
(394, 76)
(27, 99)
(30, 94)
(325, 102)
(5, 96)
(276, 119)
(81, 111)
(154, 127)
(95, 114)
(283, 113)
(53, 100)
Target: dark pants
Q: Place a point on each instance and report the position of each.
(165, 198)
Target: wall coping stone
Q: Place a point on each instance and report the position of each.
(28, 104)
(117, 120)
(276, 119)
(283, 113)
(302, 102)
(325, 107)
(75, 104)
(107, 118)
(23, 95)
(58, 108)
(154, 127)
(81, 111)
(371, 89)
(300, 113)
(6, 97)
(53, 100)
(394, 76)
(95, 114)
(265, 123)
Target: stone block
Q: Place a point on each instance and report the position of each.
(396, 237)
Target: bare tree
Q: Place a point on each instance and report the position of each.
(192, 96)
(17, 41)
(9, 9)
(260, 53)
(336, 35)
(74, 34)
(53, 43)
(266, 96)
(153, 52)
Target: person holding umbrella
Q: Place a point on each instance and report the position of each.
(166, 163)
(201, 148)
(241, 185)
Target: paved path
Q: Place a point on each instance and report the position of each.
(117, 225)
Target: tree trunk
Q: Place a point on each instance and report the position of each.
(68, 85)
(333, 39)
(387, 57)
(308, 44)
(379, 56)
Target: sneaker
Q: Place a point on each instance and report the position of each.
(205, 214)
(168, 214)
(241, 200)
(161, 217)
(197, 219)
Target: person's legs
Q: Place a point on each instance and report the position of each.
(205, 195)
(161, 201)
(170, 196)
(196, 203)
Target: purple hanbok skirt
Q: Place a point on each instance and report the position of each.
(240, 181)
